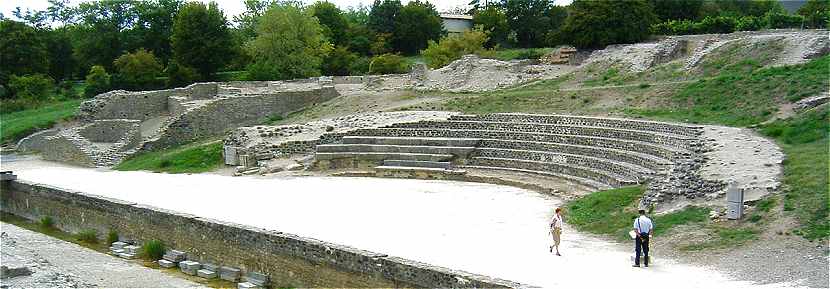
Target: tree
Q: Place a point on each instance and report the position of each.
(388, 63)
(494, 22)
(97, 81)
(62, 63)
(816, 13)
(154, 26)
(333, 22)
(247, 20)
(201, 38)
(22, 50)
(451, 48)
(36, 87)
(179, 75)
(417, 24)
(137, 70)
(339, 62)
(529, 20)
(676, 9)
(382, 15)
(100, 36)
(597, 23)
(289, 44)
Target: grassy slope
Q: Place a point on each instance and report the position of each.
(804, 140)
(742, 95)
(611, 213)
(16, 125)
(192, 158)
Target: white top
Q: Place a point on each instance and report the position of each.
(556, 222)
(643, 225)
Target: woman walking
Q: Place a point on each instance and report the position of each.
(556, 230)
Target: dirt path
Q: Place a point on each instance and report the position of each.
(57, 263)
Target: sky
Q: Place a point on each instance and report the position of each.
(234, 7)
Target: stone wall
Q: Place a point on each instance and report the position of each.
(111, 130)
(141, 105)
(36, 141)
(224, 113)
(289, 260)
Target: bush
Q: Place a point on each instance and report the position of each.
(339, 62)
(387, 64)
(749, 23)
(137, 70)
(179, 75)
(453, 47)
(46, 222)
(112, 237)
(719, 24)
(775, 20)
(494, 22)
(152, 250)
(88, 236)
(97, 81)
(35, 87)
(360, 66)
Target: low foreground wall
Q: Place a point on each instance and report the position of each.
(289, 260)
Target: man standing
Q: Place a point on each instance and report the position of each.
(556, 230)
(645, 230)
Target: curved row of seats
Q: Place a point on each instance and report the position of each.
(597, 152)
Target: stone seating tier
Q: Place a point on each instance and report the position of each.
(583, 181)
(418, 164)
(656, 150)
(447, 150)
(421, 141)
(630, 171)
(380, 157)
(672, 140)
(662, 127)
(608, 178)
(640, 159)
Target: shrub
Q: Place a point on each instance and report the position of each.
(339, 62)
(597, 23)
(388, 63)
(776, 20)
(749, 23)
(137, 70)
(46, 222)
(88, 236)
(179, 75)
(360, 66)
(112, 237)
(453, 47)
(97, 81)
(719, 24)
(494, 22)
(152, 250)
(34, 87)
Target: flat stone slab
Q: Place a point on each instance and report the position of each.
(207, 274)
(257, 278)
(126, 255)
(229, 274)
(174, 256)
(166, 264)
(248, 285)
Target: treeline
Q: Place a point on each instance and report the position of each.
(152, 44)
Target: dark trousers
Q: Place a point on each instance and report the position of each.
(641, 243)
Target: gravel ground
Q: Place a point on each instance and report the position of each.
(57, 263)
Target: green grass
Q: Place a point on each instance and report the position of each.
(607, 212)
(804, 140)
(742, 95)
(112, 237)
(192, 158)
(88, 236)
(152, 250)
(664, 223)
(16, 125)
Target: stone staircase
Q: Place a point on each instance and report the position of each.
(71, 145)
(597, 152)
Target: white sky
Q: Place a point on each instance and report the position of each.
(234, 7)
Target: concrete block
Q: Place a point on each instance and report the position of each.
(126, 255)
(734, 194)
(211, 267)
(207, 274)
(166, 264)
(175, 256)
(132, 249)
(257, 278)
(119, 245)
(229, 274)
(248, 285)
(190, 267)
(734, 211)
